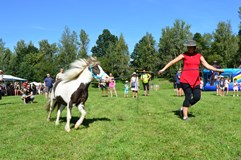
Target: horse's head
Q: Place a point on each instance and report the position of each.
(98, 73)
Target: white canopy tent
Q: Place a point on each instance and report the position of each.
(12, 78)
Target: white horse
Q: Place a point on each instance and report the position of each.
(73, 89)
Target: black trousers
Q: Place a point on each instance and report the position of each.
(145, 86)
(192, 95)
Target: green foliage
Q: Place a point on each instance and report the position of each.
(171, 44)
(124, 128)
(145, 55)
(46, 58)
(84, 42)
(225, 44)
(68, 49)
(238, 60)
(120, 58)
(104, 49)
(104, 44)
(203, 43)
(112, 52)
(5, 57)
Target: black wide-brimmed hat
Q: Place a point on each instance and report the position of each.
(190, 43)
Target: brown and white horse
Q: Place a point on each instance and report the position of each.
(73, 89)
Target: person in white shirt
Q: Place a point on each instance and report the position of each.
(226, 87)
(235, 87)
(60, 75)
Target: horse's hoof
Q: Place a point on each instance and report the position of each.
(48, 119)
(56, 123)
(76, 126)
(67, 129)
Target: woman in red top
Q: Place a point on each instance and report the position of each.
(190, 78)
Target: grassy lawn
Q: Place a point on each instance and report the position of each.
(124, 128)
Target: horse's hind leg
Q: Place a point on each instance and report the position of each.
(61, 107)
(51, 108)
(83, 113)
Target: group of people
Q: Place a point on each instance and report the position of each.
(189, 80)
(104, 85)
(133, 85)
(222, 86)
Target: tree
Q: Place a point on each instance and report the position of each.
(24, 60)
(171, 44)
(68, 49)
(145, 55)
(120, 63)
(225, 44)
(7, 59)
(203, 43)
(2, 52)
(46, 60)
(104, 49)
(238, 60)
(84, 42)
(20, 53)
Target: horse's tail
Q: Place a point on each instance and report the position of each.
(50, 104)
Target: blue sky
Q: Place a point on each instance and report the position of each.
(36, 20)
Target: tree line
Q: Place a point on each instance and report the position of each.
(112, 51)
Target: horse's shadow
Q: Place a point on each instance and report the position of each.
(2, 104)
(177, 113)
(86, 121)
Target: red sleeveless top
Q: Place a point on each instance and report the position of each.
(190, 72)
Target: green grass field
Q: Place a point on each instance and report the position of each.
(124, 128)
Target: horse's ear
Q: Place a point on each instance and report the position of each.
(93, 59)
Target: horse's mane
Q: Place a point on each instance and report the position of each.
(78, 66)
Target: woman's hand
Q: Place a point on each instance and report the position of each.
(220, 70)
(161, 71)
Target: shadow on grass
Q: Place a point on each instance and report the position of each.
(2, 104)
(177, 113)
(86, 121)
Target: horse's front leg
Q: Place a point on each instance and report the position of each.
(59, 113)
(69, 116)
(83, 113)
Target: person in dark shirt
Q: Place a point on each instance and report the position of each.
(27, 95)
(48, 85)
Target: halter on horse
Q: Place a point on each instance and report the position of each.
(73, 89)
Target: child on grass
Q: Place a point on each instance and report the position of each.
(126, 89)
(235, 87)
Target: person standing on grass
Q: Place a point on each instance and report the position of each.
(134, 83)
(104, 88)
(235, 87)
(145, 77)
(48, 85)
(226, 87)
(190, 77)
(179, 89)
(217, 85)
(221, 86)
(112, 85)
(126, 89)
